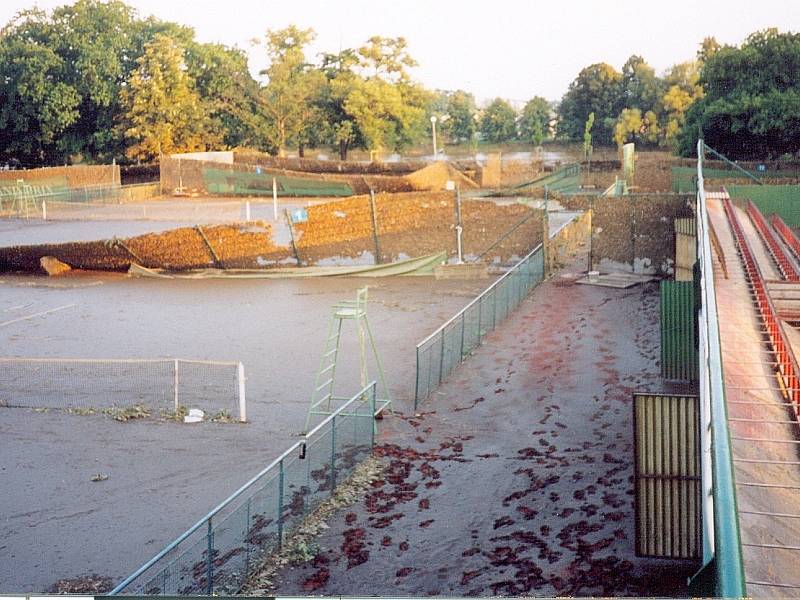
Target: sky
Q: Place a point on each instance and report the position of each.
(508, 48)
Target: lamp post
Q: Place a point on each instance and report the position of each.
(433, 126)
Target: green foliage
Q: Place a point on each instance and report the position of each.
(751, 107)
(289, 98)
(498, 122)
(587, 136)
(598, 89)
(223, 82)
(163, 112)
(461, 125)
(640, 87)
(534, 122)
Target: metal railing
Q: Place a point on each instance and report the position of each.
(722, 550)
(448, 346)
(220, 552)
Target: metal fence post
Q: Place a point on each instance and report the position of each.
(373, 424)
(494, 308)
(176, 386)
(210, 559)
(280, 504)
(416, 387)
(333, 454)
(463, 320)
(480, 315)
(247, 542)
(441, 360)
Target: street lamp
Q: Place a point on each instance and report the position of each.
(433, 126)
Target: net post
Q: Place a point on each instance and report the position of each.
(247, 211)
(242, 398)
(175, 385)
(44, 210)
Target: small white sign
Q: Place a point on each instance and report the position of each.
(450, 185)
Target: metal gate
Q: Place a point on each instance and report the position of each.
(667, 475)
(678, 331)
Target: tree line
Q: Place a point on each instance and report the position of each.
(93, 81)
(744, 100)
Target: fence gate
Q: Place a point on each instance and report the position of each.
(678, 331)
(667, 476)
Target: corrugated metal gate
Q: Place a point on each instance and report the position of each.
(667, 475)
(678, 331)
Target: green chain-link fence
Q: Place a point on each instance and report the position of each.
(219, 553)
(448, 346)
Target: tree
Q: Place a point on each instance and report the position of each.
(634, 126)
(641, 88)
(534, 122)
(751, 106)
(597, 89)
(461, 125)
(289, 96)
(682, 91)
(498, 122)
(85, 51)
(587, 137)
(383, 116)
(387, 58)
(222, 80)
(163, 113)
(337, 126)
(35, 106)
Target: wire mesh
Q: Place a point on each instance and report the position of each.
(448, 346)
(220, 552)
(157, 385)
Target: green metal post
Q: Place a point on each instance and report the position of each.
(372, 394)
(374, 211)
(480, 315)
(280, 504)
(210, 560)
(441, 360)
(416, 387)
(247, 542)
(463, 318)
(333, 454)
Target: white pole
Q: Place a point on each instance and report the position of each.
(247, 211)
(44, 210)
(242, 400)
(460, 255)
(175, 386)
(274, 199)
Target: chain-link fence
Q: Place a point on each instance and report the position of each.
(155, 385)
(448, 346)
(220, 552)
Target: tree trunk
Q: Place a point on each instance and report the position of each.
(301, 150)
(343, 150)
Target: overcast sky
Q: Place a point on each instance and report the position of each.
(509, 48)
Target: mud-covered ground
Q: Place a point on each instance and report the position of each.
(515, 478)
(163, 476)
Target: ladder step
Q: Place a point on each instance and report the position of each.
(331, 353)
(324, 384)
(321, 400)
(328, 368)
